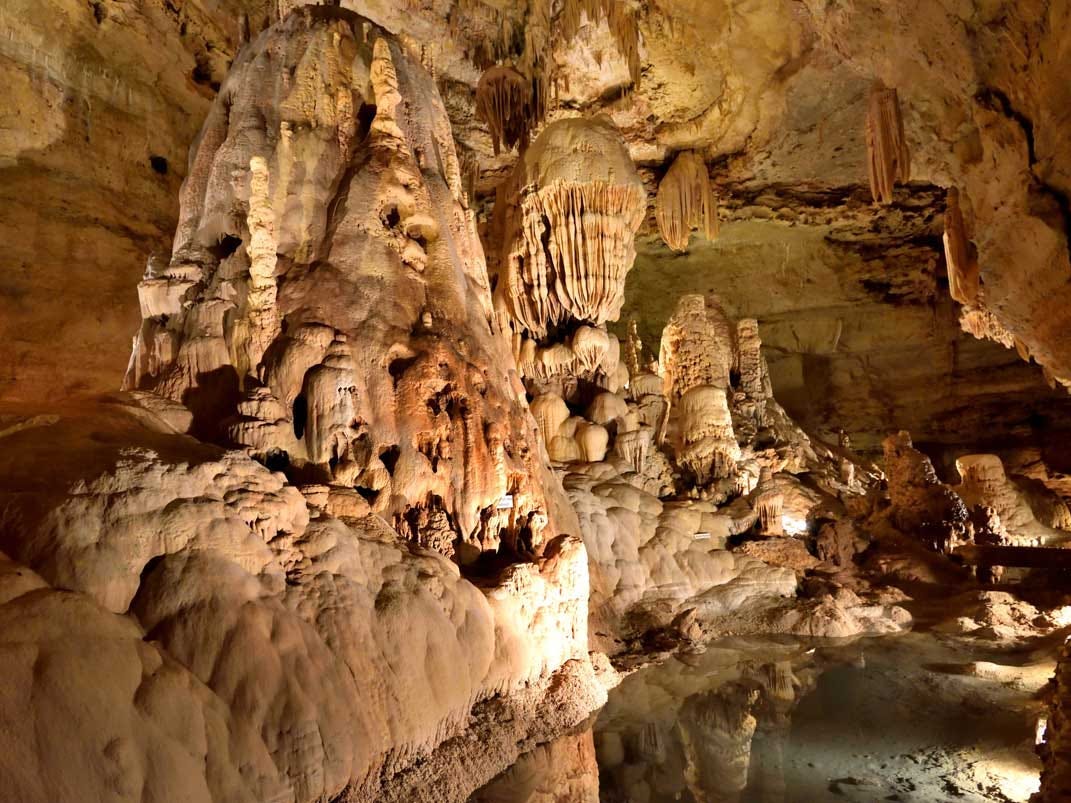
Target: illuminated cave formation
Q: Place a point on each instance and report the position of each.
(449, 465)
(685, 201)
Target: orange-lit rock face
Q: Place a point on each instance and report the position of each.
(326, 307)
(328, 295)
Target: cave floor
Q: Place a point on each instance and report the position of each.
(919, 718)
(923, 717)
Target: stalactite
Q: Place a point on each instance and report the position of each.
(685, 201)
(590, 345)
(887, 154)
(566, 221)
(469, 23)
(960, 256)
(633, 447)
(513, 101)
(504, 103)
(588, 255)
(620, 19)
(534, 64)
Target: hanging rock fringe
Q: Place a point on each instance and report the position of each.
(513, 102)
(533, 63)
(960, 256)
(504, 103)
(887, 154)
(619, 18)
(578, 246)
(685, 201)
(469, 23)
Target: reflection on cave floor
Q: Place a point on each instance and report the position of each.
(915, 718)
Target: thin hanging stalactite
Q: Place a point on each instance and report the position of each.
(686, 201)
(513, 101)
(887, 154)
(962, 262)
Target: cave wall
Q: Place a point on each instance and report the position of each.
(102, 101)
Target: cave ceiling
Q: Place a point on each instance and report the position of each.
(851, 298)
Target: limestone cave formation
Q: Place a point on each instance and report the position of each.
(532, 401)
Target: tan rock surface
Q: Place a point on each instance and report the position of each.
(368, 652)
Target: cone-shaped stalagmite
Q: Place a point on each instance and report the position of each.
(685, 201)
(887, 155)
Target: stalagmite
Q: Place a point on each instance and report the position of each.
(389, 499)
(635, 356)
(633, 447)
(985, 484)
(592, 440)
(550, 412)
(888, 157)
(565, 449)
(749, 404)
(769, 503)
(685, 201)
(697, 346)
(960, 256)
(425, 411)
(708, 447)
(606, 408)
(504, 102)
(331, 405)
(922, 505)
(261, 325)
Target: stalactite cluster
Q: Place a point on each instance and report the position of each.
(887, 154)
(513, 100)
(621, 20)
(567, 218)
(686, 201)
(504, 103)
(468, 23)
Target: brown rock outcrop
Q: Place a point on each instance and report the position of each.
(922, 506)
